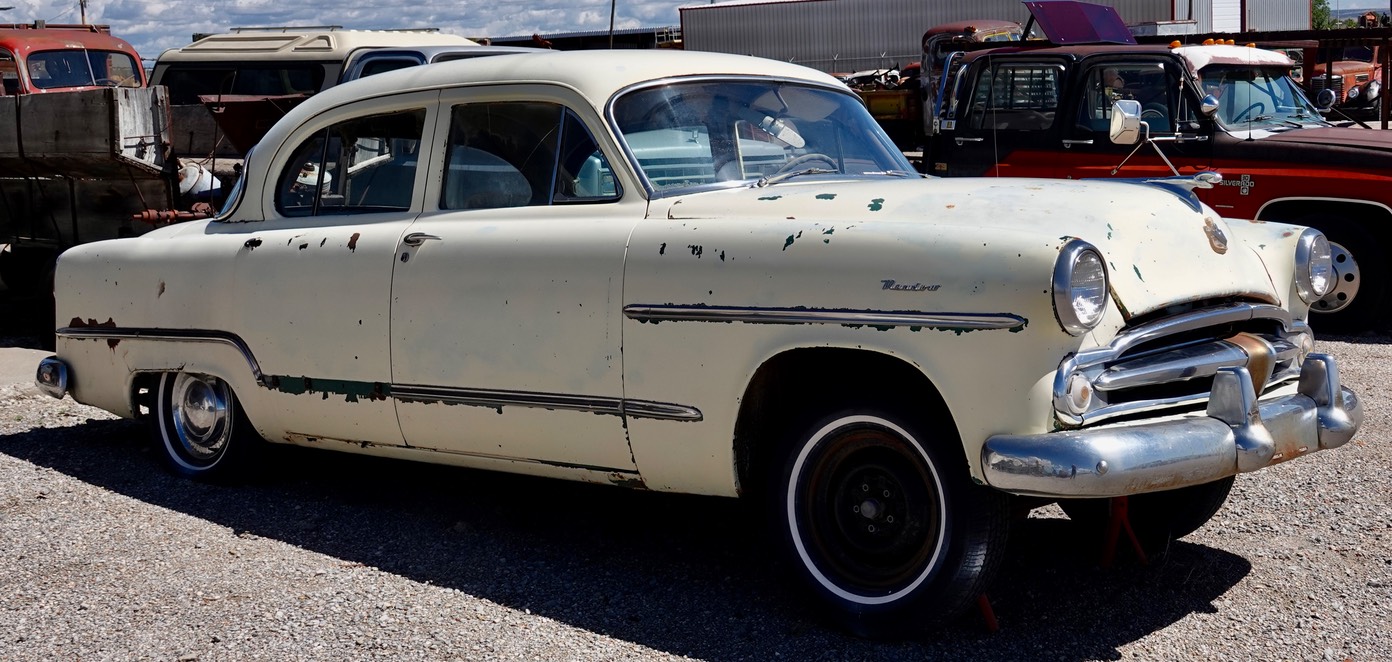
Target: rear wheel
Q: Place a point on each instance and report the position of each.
(200, 427)
(882, 523)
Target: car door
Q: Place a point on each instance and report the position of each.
(313, 279)
(505, 338)
(1002, 120)
(1168, 107)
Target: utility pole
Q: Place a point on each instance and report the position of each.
(82, 6)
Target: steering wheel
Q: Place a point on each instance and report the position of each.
(810, 157)
(1249, 109)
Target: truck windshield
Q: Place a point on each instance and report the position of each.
(1250, 97)
(81, 68)
(715, 133)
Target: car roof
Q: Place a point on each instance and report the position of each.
(299, 44)
(28, 40)
(1197, 57)
(595, 74)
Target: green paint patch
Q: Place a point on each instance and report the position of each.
(826, 196)
(354, 390)
(1109, 230)
(771, 197)
(876, 204)
(1138, 272)
(788, 242)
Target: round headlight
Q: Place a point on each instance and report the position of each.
(1080, 287)
(1374, 89)
(1353, 93)
(1314, 266)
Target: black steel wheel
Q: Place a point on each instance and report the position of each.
(883, 524)
(1358, 300)
(200, 427)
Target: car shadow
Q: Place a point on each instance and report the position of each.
(682, 574)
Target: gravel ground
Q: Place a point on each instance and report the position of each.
(103, 555)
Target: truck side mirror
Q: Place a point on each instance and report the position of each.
(1209, 105)
(1126, 121)
(1324, 100)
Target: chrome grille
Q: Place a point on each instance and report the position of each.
(1170, 362)
(1322, 81)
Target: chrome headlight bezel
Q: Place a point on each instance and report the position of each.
(1314, 266)
(1078, 254)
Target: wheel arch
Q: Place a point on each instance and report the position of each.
(1375, 216)
(791, 382)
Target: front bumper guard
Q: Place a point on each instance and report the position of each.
(1238, 434)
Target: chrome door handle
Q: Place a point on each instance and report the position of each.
(968, 140)
(1070, 143)
(418, 238)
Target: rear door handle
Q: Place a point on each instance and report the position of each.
(418, 238)
(1070, 143)
(968, 140)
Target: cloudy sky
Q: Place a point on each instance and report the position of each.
(154, 25)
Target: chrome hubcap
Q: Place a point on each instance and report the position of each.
(201, 415)
(1346, 280)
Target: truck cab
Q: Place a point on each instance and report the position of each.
(1046, 111)
(37, 58)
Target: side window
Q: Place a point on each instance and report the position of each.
(364, 165)
(520, 154)
(1018, 97)
(1147, 83)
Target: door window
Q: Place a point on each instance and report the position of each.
(1147, 83)
(521, 154)
(1016, 97)
(364, 165)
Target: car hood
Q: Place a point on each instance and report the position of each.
(1161, 247)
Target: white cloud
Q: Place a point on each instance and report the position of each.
(155, 25)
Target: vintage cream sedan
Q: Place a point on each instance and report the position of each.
(713, 274)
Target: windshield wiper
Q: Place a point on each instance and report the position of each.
(774, 179)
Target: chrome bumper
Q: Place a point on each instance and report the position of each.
(1238, 434)
(52, 377)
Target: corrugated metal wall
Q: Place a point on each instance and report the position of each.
(852, 35)
(1280, 14)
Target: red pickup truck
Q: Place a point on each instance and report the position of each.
(1045, 111)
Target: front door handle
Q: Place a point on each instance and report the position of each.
(968, 140)
(418, 238)
(1069, 143)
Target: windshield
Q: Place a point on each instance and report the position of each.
(53, 69)
(718, 133)
(1251, 97)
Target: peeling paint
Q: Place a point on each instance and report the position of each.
(771, 197)
(252, 243)
(323, 241)
(1138, 272)
(876, 204)
(353, 242)
(1109, 230)
(304, 245)
(625, 480)
(77, 323)
(722, 256)
(161, 290)
(952, 206)
(826, 196)
(354, 390)
(788, 242)
(696, 250)
(662, 250)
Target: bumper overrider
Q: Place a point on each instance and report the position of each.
(1237, 434)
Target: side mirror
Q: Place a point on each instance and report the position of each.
(1209, 105)
(1126, 122)
(1324, 100)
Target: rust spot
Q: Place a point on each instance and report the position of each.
(353, 241)
(304, 245)
(625, 480)
(112, 343)
(952, 206)
(1216, 239)
(77, 323)
(161, 290)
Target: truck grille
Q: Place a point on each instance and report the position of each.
(1169, 362)
(1322, 81)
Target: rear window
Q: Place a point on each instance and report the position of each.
(187, 82)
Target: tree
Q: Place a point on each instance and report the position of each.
(1320, 18)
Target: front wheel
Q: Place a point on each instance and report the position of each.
(883, 524)
(200, 427)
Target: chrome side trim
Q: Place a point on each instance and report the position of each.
(699, 313)
(171, 335)
(475, 397)
(595, 404)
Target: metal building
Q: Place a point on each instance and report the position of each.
(853, 35)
